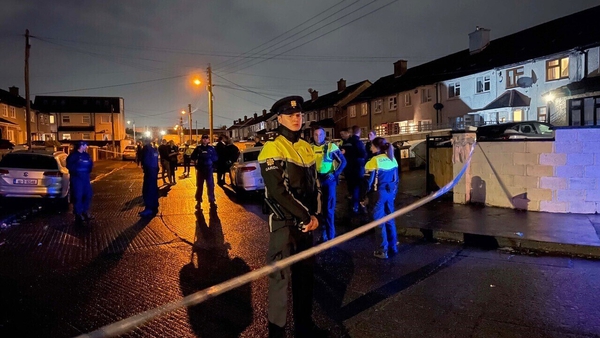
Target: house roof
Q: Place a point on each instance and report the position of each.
(579, 30)
(330, 99)
(12, 100)
(510, 98)
(78, 104)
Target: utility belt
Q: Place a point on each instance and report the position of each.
(323, 176)
(278, 219)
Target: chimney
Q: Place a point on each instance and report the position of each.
(255, 116)
(478, 40)
(14, 90)
(245, 118)
(314, 95)
(264, 112)
(400, 67)
(341, 85)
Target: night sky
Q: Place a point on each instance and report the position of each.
(149, 51)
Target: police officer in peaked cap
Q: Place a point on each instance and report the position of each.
(292, 192)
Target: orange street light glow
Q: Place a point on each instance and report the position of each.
(197, 82)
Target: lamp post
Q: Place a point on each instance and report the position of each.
(189, 120)
(133, 123)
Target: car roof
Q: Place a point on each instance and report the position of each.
(37, 152)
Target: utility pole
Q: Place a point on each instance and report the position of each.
(112, 119)
(210, 103)
(27, 104)
(190, 121)
(181, 129)
(197, 131)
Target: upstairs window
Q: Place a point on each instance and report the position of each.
(352, 111)
(363, 109)
(5, 111)
(329, 113)
(407, 100)
(105, 119)
(66, 119)
(557, 69)
(512, 76)
(85, 119)
(392, 103)
(13, 113)
(426, 95)
(483, 84)
(52, 119)
(453, 89)
(378, 106)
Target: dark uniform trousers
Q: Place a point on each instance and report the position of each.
(205, 175)
(354, 177)
(150, 188)
(81, 188)
(382, 204)
(328, 198)
(286, 241)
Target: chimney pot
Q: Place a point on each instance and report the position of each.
(400, 67)
(245, 118)
(478, 40)
(264, 112)
(314, 95)
(341, 85)
(255, 115)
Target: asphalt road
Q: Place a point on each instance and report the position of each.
(57, 280)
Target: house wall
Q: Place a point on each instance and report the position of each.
(561, 176)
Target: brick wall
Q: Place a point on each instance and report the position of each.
(561, 176)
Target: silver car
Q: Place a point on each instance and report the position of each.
(37, 174)
(245, 173)
(129, 153)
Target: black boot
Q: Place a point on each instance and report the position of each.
(276, 331)
(87, 217)
(78, 219)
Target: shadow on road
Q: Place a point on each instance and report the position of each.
(227, 315)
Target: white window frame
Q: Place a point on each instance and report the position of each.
(364, 111)
(352, 111)
(66, 119)
(481, 83)
(378, 106)
(52, 119)
(105, 119)
(66, 136)
(5, 111)
(392, 103)
(329, 113)
(407, 100)
(86, 136)
(10, 135)
(13, 112)
(83, 119)
(426, 95)
(453, 89)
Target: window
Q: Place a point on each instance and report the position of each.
(352, 111)
(85, 136)
(13, 113)
(453, 89)
(557, 69)
(85, 119)
(363, 109)
(542, 115)
(5, 111)
(329, 113)
(407, 100)
(105, 119)
(32, 117)
(52, 119)
(66, 119)
(323, 114)
(10, 134)
(584, 112)
(425, 95)
(378, 106)
(483, 84)
(392, 103)
(425, 125)
(512, 76)
(517, 115)
(66, 136)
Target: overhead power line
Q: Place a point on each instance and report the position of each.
(112, 86)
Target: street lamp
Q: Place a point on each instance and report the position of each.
(132, 122)
(189, 118)
(147, 133)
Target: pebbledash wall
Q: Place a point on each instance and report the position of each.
(560, 176)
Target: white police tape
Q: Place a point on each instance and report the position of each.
(136, 321)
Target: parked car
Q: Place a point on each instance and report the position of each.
(245, 172)
(6, 147)
(180, 153)
(36, 173)
(515, 131)
(129, 153)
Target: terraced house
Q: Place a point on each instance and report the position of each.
(13, 122)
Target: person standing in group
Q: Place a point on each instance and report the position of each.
(327, 153)
(163, 151)
(232, 152)
(205, 156)
(221, 163)
(292, 192)
(80, 166)
(257, 142)
(371, 136)
(173, 152)
(187, 160)
(355, 153)
(138, 154)
(382, 182)
(150, 185)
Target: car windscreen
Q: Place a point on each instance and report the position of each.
(28, 161)
(251, 156)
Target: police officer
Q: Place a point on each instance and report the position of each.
(150, 187)
(326, 153)
(292, 192)
(382, 180)
(205, 156)
(80, 167)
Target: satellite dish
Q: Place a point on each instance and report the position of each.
(310, 90)
(525, 82)
(438, 106)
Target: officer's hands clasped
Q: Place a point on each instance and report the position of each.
(314, 223)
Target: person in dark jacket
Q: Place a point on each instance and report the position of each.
(221, 163)
(80, 166)
(173, 152)
(138, 153)
(150, 185)
(163, 151)
(205, 156)
(372, 136)
(356, 155)
(232, 152)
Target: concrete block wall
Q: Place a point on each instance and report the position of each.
(561, 176)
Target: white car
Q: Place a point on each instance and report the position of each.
(245, 173)
(129, 153)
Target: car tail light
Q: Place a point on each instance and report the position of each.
(247, 169)
(3, 172)
(53, 173)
